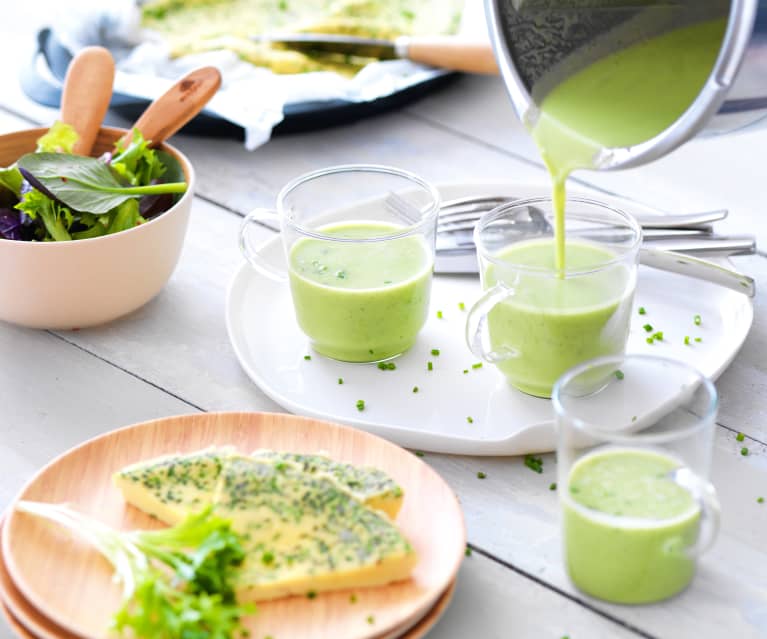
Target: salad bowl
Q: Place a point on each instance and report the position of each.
(86, 282)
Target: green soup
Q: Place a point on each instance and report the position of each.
(361, 301)
(628, 526)
(621, 100)
(551, 324)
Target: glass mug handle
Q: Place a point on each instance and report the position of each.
(710, 511)
(477, 332)
(252, 252)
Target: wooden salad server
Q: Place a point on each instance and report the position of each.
(179, 104)
(86, 95)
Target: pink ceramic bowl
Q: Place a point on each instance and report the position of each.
(66, 285)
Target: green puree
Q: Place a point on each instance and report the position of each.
(621, 100)
(362, 301)
(627, 526)
(553, 324)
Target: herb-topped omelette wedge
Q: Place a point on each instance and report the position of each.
(308, 524)
(193, 26)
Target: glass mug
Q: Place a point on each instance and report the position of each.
(535, 323)
(359, 245)
(635, 440)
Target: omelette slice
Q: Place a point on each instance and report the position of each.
(304, 534)
(172, 486)
(371, 486)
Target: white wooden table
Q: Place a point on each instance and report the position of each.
(173, 356)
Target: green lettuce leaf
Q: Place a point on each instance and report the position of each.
(61, 138)
(136, 162)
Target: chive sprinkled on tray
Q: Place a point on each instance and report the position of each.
(439, 314)
(553, 486)
(340, 380)
(760, 500)
(619, 374)
(360, 405)
(744, 451)
(642, 310)
(352, 598)
(462, 306)
(307, 357)
(387, 366)
(435, 352)
(467, 552)
(740, 437)
(429, 366)
(686, 340)
(698, 339)
(311, 594)
(418, 453)
(477, 365)
(697, 320)
(465, 371)
(534, 463)
(415, 389)
(470, 420)
(481, 475)
(648, 328)
(371, 619)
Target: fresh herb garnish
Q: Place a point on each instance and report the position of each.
(477, 365)
(307, 357)
(340, 380)
(415, 389)
(371, 619)
(435, 352)
(360, 405)
(740, 437)
(760, 500)
(387, 366)
(697, 320)
(470, 420)
(177, 581)
(353, 598)
(439, 314)
(465, 371)
(698, 339)
(686, 340)
(461, 306)
(534, 463)
(619, 374)
(429, 366)
(648, 328)
(311, 594)
(467, 552)
(553, 486)
(481, 475)
(744, 451)
(418, 453)
(642, 310)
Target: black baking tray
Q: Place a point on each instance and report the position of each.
(299, 117)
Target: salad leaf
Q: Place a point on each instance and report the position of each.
(60, 138)
(136, 162)
(55, 217)
(178, 582)
(11, 180)
(10, 224)
(83, 183)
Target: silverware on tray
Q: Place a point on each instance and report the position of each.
(672, 242)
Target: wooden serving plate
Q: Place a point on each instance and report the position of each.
(57, 573)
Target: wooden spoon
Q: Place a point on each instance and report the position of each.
(86, 95)
(179, 104)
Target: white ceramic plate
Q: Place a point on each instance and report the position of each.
(271, 348)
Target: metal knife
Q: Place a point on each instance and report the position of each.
(447, 52)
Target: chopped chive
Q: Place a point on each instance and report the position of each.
(649, 340)
(387, 281)
(642, 310)
(697, 320)
(429, 366)
(744, 451)
(658, 335)
(418, 453)
(467, 552)
(360, 405)
(553, 486)
(465, 371)
(481, 475)
(760, 500)
(307, 357)
(341, 275)
(648, 328)
(470, 420)
(435, 352)
(619, 374)
(439, 314)
(477, 365)
(371, 619)
(740, 437)
(311, 594)
(462, 306)
(340, 380)
(698, 339)
(352, 598)
(534, 463)
(686, 340)
(415, 389)
(387, 366)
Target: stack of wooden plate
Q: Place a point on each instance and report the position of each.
(53, 586)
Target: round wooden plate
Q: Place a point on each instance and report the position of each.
(57, 573)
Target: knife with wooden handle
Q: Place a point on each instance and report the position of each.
(448, 52)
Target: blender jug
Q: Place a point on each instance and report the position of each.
(542, 45)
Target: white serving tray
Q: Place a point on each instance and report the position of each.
(271, 349)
